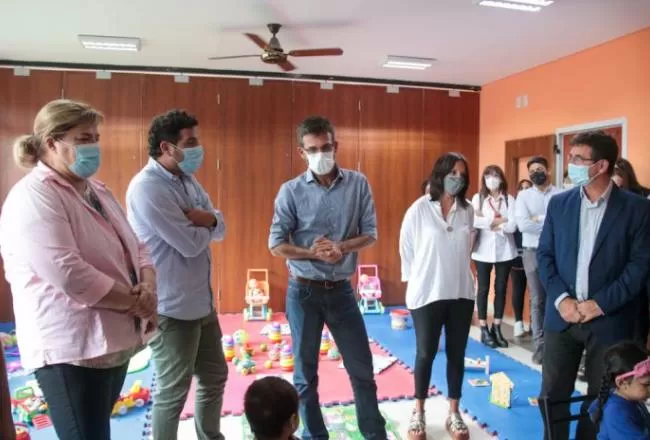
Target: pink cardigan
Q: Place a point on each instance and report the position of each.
(61, 257)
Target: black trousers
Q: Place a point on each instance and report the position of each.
(483, 272)
(518, 276)
(81, 399)
(562, 354)
(456, 317)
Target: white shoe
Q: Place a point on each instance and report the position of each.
(519, 329)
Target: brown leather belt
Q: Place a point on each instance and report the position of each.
(325, 284)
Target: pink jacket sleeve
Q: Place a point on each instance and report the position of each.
(48, 244)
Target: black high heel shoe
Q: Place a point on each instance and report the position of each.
(487, 338)
(498, 336)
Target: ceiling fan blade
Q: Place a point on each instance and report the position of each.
(334, 51)
(257, 40)
(233, 57)
(287, 66)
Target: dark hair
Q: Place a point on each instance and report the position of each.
(624, 169)
(269, 404)
(619, 359)
(537, 159)
(503, 188)
(314, 125)
(423, 188)
(603, 147)
(443, 166)
(524, 181)
(167, 127)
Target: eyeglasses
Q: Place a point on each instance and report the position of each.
(641, 369)
(579, 160)
(327, 148)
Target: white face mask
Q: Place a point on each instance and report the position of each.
(492, 183)
(321, 163)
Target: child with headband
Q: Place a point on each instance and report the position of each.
(620, 410)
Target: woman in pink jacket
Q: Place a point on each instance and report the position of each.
(83, 285)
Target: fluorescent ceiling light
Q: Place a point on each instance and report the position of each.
(518, 5)
(397, 62)
(110, 43)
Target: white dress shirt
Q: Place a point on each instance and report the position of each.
(532, 203)
(494, 246)
(435, 253)
(591, 217)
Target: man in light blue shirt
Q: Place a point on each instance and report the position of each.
(172, 214)
(322, 219)
(530, 211)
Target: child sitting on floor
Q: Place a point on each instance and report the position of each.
(271, 407)
(620, 410)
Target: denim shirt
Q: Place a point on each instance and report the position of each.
(156, 200)
(305, 211)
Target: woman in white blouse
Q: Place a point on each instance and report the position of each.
(494, 220)
(435, 251)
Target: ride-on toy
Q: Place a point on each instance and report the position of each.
(369, 289)
(257, 296)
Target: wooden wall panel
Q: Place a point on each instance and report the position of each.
(200, 97)
(120, 100)
(20, 99)
(341, 106)
(255, 154)
(390, 148)
(450, 124)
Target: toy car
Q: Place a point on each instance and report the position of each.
(137, 396)
(26, 405)
(257, 296)
(369, 289)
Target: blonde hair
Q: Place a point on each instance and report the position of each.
(55, 119)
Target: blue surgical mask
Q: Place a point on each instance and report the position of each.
(87, 160)
(579, 174)
(453, 184)
(192, 159)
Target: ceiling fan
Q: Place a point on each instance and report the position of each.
(272, 52)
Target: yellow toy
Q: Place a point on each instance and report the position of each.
(228, 347)
(268, 364)
(325, 343)
(501, 393)
(286, 358)
(240, 337)
(264, 348)
(275, 333)
(257, 296)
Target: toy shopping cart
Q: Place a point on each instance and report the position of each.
(257, 296)
(369, 289)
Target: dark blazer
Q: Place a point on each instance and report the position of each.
(619, 263)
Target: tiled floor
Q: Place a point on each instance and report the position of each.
(437, 407)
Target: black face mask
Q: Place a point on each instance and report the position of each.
(539, 177)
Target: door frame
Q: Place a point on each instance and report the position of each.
(560, 133)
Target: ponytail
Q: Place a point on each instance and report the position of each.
(606, 386)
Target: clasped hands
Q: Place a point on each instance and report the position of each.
(145, 305)
(326, 250)
(575, 312)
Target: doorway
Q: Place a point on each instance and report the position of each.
(519, 151)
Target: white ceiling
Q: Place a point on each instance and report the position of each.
(474, 45)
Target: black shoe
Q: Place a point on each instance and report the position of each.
(487, 338)
(498, 336)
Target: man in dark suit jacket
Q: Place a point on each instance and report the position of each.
(593, 255)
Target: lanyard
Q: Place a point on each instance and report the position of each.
(497, 211)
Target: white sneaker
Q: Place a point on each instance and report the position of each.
(519, 329)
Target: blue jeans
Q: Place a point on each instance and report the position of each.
(308, 308)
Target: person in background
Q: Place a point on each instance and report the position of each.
(593, 262)
(566, 183)
(171, 212)
(518, 275)
(530, 212)
(83, 287)
(625, 177)
(322, 219)
(6, 421)
(434, 245)
(620, 412)
(494, 220)
(271, 408)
